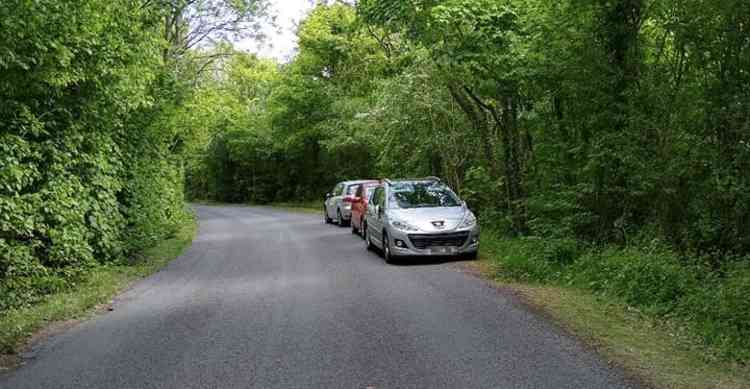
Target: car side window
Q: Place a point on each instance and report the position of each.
(338, 190)
(375, 196)
(381, 197)
(358, 193)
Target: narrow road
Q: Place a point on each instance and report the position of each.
(273, 299)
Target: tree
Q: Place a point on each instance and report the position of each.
(474, 44)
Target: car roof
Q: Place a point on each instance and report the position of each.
(357, 182)
(402, 180)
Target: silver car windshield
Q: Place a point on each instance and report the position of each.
(407, 195)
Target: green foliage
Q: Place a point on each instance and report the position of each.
(521, 259)
(479, 190)
(289, 132)
(89, 172)
(531, 258)
(656, 279)
(720, 312)
(649, 277)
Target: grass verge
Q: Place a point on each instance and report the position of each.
(17, 326)
(657, 351)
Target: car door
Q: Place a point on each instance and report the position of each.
(375, 212)
(339, 198)
(331, 203)
(327, 202)
(364, 204)
(358, 206)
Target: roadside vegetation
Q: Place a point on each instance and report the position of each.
(92, 151)
(650, 277)
(630, 320)
(660, 354)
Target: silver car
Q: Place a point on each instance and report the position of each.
(419, 217)
(338, 202)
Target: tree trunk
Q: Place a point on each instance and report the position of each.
(478, 118)
(512, 159)
(620, 28)
(506, 120)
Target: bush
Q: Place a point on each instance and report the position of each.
(533, 258)
(557, 213)
(714, 305)
(521, 260)
(655, 280)
(86, 169)
(720, 312)
(479, 190)
(562, 251)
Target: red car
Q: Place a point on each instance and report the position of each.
(359, 206)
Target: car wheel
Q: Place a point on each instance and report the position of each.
(368, 242)
(389, 258)
(339, 219)
(326, 219)
(472, 256)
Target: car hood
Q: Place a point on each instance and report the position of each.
(426, 218)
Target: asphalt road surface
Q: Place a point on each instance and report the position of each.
(273, 299)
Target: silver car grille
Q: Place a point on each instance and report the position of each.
(423, 241)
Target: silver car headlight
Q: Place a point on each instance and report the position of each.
(469, 221)
(403, 226)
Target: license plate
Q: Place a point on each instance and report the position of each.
(442, 250)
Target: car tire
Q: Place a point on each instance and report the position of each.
(339, 219)
(472, 256)
(366, 236)
(326, 219)
(387, 255)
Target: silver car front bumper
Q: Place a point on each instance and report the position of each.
(443, 243)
